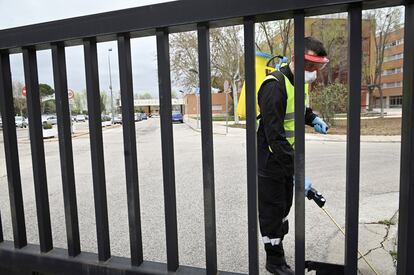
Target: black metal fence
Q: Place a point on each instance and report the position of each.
(161, 20)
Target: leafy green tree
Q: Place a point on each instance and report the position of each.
(145, 96)
(45, 90)
(174, 94)
(20, 107)
(329, 100)
(47, 106)
(79, 102)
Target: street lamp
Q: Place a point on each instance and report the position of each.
(110, 84)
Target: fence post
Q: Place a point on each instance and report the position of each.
(299, 143)
(37, 149)
(12, 153)
(353, 138)
(406, 222)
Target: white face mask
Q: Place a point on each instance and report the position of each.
(310, 76)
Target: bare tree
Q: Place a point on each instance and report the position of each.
(332, 33)
(275, 37)
(226, 59)
(184, 59)
(386, 20)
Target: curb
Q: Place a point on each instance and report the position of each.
(76, 135)
(199, 130)
(363, 139)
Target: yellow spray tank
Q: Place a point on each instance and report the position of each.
(262, 70)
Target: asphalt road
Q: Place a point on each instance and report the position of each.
(325, 165)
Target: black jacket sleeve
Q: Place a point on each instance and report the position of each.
(272, 101)
(309, 116)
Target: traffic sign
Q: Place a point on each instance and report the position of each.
(71, 94)
(24, 91)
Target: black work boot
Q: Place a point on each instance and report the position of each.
(282, 269)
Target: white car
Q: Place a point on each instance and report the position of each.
(79, 118)
(20, 122)
(49, 119)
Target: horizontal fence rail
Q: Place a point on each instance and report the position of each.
(144, 21)
(160, 21)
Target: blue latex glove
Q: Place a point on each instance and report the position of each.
(320, 126)
(308, 184)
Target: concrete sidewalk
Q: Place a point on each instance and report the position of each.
(378, 212)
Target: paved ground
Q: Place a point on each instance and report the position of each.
(325, 165)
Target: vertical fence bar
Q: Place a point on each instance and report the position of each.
(1, 229)
(299, 143)
(11, 153)
(251, 143)
(97, 153)
(207, 147)
(406, 223)
(64, 122)
(37, 149)
(353, 138)
(130, 148)
(164, 79)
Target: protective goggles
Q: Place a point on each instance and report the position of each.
(315, 63)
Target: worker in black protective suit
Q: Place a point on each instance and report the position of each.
(275, 141)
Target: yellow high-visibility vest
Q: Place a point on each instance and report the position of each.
(289, 122)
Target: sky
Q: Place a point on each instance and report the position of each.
(144, 58)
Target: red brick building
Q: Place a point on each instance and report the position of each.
(218, 103)
(392, 72)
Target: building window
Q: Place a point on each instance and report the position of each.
(217, 107)
(392, 71)
(377, 102)
(395, 101)
(394, 43)
(393, 57)
(389, 85)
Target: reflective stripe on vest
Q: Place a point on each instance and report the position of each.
(289, 121)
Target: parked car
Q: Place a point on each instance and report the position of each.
(177, 117)
(138, 117)
(79, 118)
(144, 116)
(1, 123)
(118, 119)
(49, 119)
(20, 122)
(106, 118)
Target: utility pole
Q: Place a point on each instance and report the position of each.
(110, 85)
(235, 99)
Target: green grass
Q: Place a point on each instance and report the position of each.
(242, 126)
(393, 254)
(387, 222)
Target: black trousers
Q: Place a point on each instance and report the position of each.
(275, 201)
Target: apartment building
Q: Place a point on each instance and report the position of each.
(392, 71)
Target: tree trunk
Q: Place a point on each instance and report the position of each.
(381, 101)
(371, 100)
